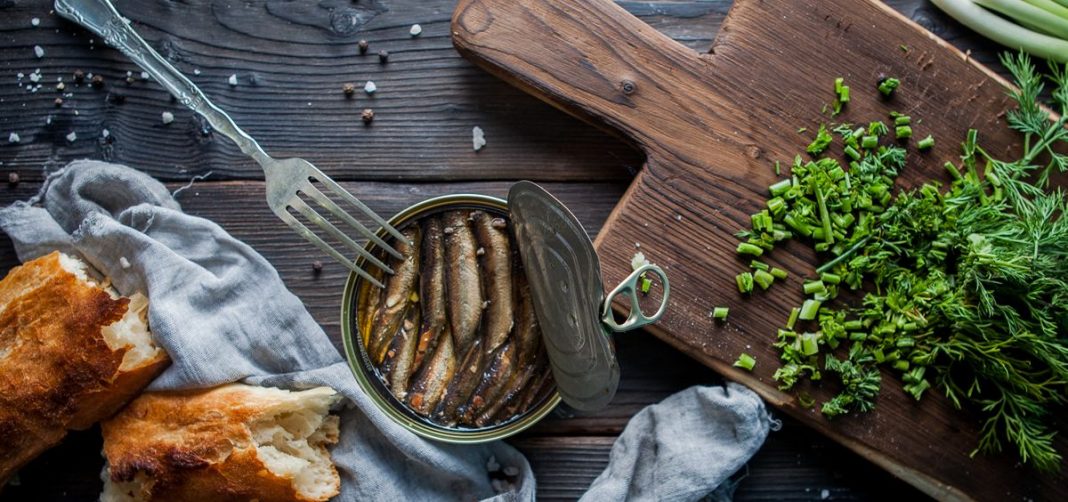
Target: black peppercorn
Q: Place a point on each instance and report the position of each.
(348, 89)
(383, 56)
(79, 76)
(98, 81)
(13, 178)
(362, 45)
(368, 115)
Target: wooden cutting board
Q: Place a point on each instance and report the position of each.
(712, 126)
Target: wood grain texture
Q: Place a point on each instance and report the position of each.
(297, 56)
(711, 126)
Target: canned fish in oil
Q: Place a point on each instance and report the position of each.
(504, 322)
(451, 349)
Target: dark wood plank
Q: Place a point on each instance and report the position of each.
(712, 125)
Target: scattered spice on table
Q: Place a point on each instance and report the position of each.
(478, 138)
(13, 138)
(362, 45)
(97, 81)
(38, 51)
(383, 56)
(348, 89)
(232, 80)
(368, 115)
(370, 87)
(13, 178)
(416, 30)
(58, 102)
(167, 117)
(79, 76)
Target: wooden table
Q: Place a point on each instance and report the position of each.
(291, 59)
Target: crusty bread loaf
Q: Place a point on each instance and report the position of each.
(231, 443)
(72, 352)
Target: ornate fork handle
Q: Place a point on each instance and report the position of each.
(100, 17)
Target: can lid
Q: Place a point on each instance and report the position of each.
(565, 285)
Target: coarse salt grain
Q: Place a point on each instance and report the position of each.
(370, 87)
(39, 51)
(167, 117)
(416, 30)
(232, 80)
(196, 71)
(105, 134)
(36, 21)
(13, 138)
(478, 138)
(35, 77)
(72, 136)
(144, 75)
(123, 262)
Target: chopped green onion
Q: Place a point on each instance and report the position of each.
(745, 361)
(902, 120)
(809, 344)
(814, 287)
(852, 152)
(903, 132)
(745, 282)
(809, 309)
(763, 279)
(758, 265)
(830, 278)
(778, 273)
(747, 248)
(888, 85)
(720, 313)
(869, 142)
(792, 320)
(646, 285)
(780, 187)
(926, 143)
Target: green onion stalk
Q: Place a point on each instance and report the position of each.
(1039, 27)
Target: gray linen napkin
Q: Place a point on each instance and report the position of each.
(223, 314)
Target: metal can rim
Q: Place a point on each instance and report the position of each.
(363, 376)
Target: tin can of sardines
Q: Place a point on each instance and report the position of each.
(493, 314)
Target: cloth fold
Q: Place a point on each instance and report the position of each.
(223, 314)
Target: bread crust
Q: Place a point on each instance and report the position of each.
(199, 446)
(56, 370)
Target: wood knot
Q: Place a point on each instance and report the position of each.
(628, 87)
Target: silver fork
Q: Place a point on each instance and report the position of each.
(287, 179)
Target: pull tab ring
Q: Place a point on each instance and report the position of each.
(629, 286)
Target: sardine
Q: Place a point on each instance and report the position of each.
(462, 385)
(492, 235)
(527, 333)
(399, 289)
(398, 363)
(495, 379)
(429, 383)
(432, 288)
(540, 385)
(510, 394)
(462, 279)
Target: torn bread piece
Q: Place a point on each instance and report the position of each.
(235, 442)
(72, 352)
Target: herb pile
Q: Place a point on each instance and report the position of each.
(966, 287)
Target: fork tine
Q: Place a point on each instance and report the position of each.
(314, 217)
(329, 205)
(341, 192)
(303, 231)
